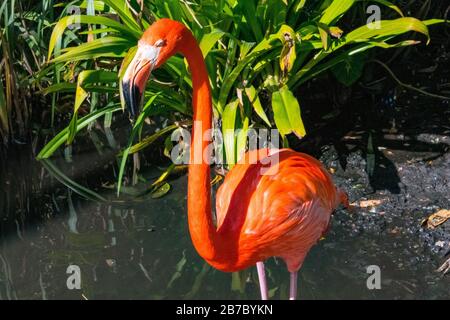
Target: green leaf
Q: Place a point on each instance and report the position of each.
(61, 137)
(163, 177)
(336, 10)
(389, 28)
(229, 118)
(299, 6)
(256, 103)
(84, 78)
(62, 25)
(276, 14)
(286, 110)
(209, 40)
(244, 48)
(122, 9)
(161, 191)
(60, 87)
(235, 126)
(248, 11)
(112, 47)
(350, 69)
(72, 87)
(152, 138)
(72, 185)
(431, 22)
(324, 31)
(238, 282)
(241, 139)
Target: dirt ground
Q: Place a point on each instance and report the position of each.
(388, 147)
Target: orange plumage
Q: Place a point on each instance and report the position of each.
(282, 213)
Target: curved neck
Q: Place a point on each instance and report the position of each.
(201, 226)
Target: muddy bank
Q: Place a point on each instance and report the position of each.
(389, 148)
(395, 179)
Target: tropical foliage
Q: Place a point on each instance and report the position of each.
(23, 44)
(257, 53)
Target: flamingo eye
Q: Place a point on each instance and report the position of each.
(160, 43)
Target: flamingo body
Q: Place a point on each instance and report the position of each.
(282, 212)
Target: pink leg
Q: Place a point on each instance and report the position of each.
(262, 280)
(293, 286)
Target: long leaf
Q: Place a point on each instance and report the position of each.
(229, 118)
(65, 22)
(122, 9)
(113, 47)
(144, 143)
(209, 40)
(61, 137)
(336, 10)
(72, 185)
(388, 28)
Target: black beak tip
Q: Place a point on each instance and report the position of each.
(132, 98)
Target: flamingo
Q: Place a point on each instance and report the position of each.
(280, 212)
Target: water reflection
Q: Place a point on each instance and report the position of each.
(140, 249)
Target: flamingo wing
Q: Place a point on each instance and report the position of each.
(279, 205)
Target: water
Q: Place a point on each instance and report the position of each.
(142, 250)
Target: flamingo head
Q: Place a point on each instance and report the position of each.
(161, 41)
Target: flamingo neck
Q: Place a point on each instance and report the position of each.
(201, 225)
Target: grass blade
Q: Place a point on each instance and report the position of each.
(61, 137)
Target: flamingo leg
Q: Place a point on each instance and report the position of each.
(293, 286)
(262, 280)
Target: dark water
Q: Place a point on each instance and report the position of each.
(140, 249)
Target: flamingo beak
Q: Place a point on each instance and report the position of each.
(136, 76)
